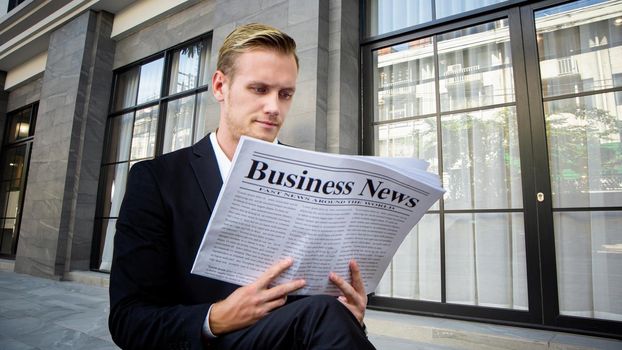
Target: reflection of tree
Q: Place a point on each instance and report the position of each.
(585, 149)
(481, 160)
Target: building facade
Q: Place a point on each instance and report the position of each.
(517, 105)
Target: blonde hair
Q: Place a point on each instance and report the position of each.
(249, 37)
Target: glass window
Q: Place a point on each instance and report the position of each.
(485, 260)
(14, 161)
(578, 47)
(143, 123)
(588, 246)
(404, 80)
(578, 44)
(481, 162)
(150, 83)
(126, 89)
(179, 120)
(585, 151)
(384, 16)
(186, 64)
(473, 76)
(445, 8)
(471, 141)
(414, 272)
(144, 133)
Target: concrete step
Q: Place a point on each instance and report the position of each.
(443, 333)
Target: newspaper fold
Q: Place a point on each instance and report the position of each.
(319, 209)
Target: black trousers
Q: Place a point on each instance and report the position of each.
(315, 322)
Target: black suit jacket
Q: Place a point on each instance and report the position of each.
(154, 300)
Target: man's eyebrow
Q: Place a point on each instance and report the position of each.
(289, 88)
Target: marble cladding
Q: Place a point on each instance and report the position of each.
(59, 206)
(25, 94)
(343, 73)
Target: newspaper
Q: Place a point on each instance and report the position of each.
(319, 209)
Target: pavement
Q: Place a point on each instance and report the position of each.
(38, 313)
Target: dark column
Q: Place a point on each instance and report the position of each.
(59, 207)
(4, 99)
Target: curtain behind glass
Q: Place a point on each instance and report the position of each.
(126, 89)
(445, 8)
(385, 16)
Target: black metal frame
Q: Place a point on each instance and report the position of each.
(27, 141)
(162, 103)
(538, 220)
(13, 4)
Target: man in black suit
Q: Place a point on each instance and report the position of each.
(155, 301)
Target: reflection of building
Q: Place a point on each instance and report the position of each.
(502, 112)
(89, 88)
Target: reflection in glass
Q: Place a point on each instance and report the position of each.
(475, 66)
(204, 71)
(119, 137)
(115, 177)
(385, 16)
(143, 139)
(108, 230)
(415, 271)
(150, 81)
(588, 246)
(19, 125)
(201, 128)
(178, 129)
(485, 260)
(125, 89)
(481, 160)
(584, 137)
(415, 138)
(579, 46)
(11, 185)
(404, 80)
(8, 236)
(185, 68)
(445, 8)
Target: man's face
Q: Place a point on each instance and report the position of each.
(255, 101)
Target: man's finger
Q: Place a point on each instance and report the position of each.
(357, 281)
(282, 290)
(273, 272)
(345, 287)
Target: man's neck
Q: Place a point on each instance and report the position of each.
(227, 145)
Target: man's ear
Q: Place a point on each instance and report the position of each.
(218, 81)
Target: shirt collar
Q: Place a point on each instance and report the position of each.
(224, 164)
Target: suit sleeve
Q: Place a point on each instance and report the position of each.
(144, 313)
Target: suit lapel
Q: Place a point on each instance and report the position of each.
(206, 171)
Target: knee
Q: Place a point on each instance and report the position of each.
(326, 304)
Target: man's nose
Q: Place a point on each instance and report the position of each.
(271, 104)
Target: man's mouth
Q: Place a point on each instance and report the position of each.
(267, 123)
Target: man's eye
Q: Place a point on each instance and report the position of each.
(286, 95)
(259, 89)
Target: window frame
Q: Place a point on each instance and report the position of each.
(540, 245)
(6, 145)
(161, 102)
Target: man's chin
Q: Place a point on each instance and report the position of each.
(263, 136)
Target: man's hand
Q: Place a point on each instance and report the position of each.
(353, 295)
(248, 304)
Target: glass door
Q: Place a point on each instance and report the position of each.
(577, 80)
(13, 171)
(450, 98)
